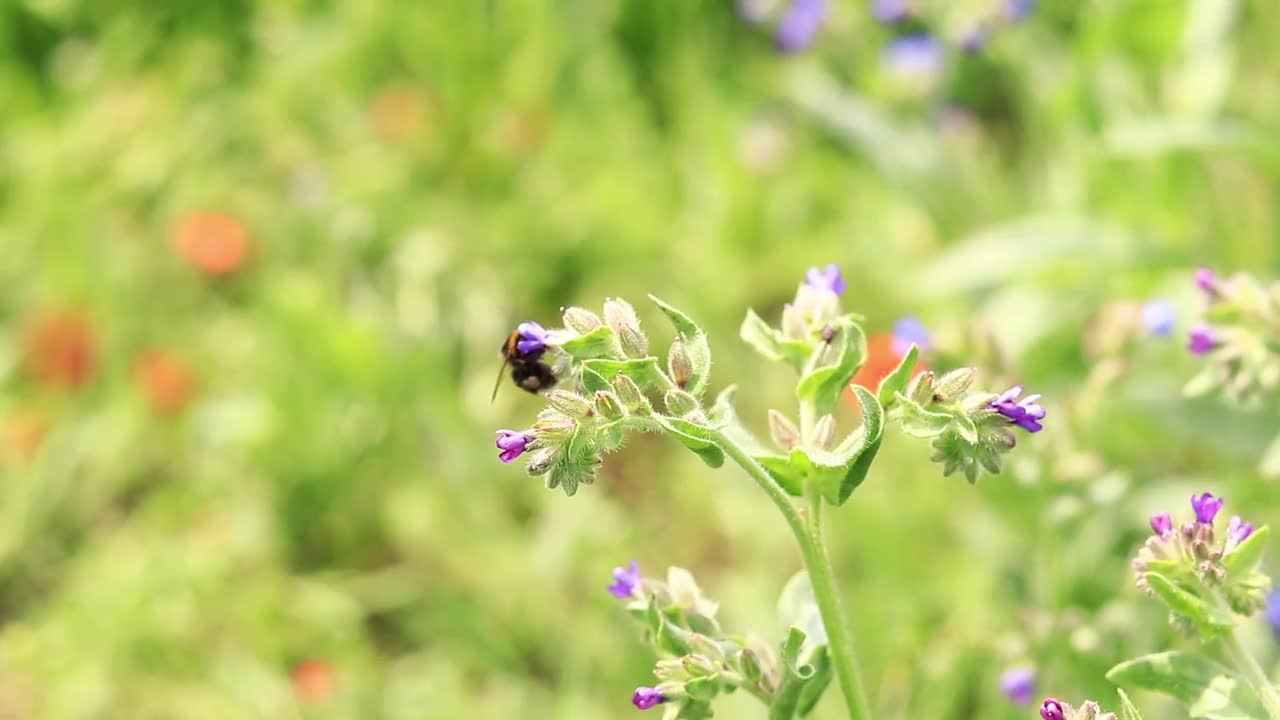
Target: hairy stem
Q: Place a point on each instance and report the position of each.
(1253, 672)
(809, 536)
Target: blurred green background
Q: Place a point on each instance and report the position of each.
(256, 259)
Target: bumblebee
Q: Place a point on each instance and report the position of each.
(527, 369)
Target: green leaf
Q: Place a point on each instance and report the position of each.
(839, 473)
(593, 381)
(601, 342)
(1127, 709)
(696, 346)
(825, 385)
(781, 470)
(695, 437)
(772, 344)
(918, 422)
(1210, 619)
(643, 370)
(1202, 383)
(1208, 689)
(896, 382)
(804, 651)
(1245, 557)
(817, 684)
(965, 427)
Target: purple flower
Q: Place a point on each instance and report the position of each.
(1019, 685)
(1026, 414)
(625, 582)
(646, 697)
(1272, 613)
(1018, 9)
(1206, 507)
(1202, 340)
(1237, 532)
(1161, 523)
(975, 38)
(916, 55)
(799, 25)
(1051, 709)
(1207, 280)
(828, 278)
(533, 339)
(890, 11)
(512, 444)
(1158, 317)
(909, 330)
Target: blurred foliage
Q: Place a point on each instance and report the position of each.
(247, 465)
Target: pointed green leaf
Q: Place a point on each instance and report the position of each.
(696, 346)
(593, 381)
(825, 385)
(695, 437)
(1210, 619)
(1208, 689)
(1202, 383)
(918, 422)
(783, 472)
(965, 427)
(643, 370)
(601, 342)
(682, 323)
(772, 344)
(896, 382)
(839, 473)
(1245, 557)
(817, 684)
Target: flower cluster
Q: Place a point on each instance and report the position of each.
(1200, 576)
(1239, 338)
(1052, 709)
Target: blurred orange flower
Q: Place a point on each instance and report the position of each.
(882, 359)
(313, 680)
(213, 242)
(24, 432)
(398, 113)
(167, 381)
(60, 350)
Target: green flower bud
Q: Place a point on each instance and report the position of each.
(609, 406)
(622, 318)
(680, 403)
(824, 431)
(784, 433)
(698, 666)
(920, 390)
(552, 426)
(793, 324)
(953, 384)
(541, 461)
(749, 664)
(581, 320)
(670, 669)
(703, 688)
(707, 647)
(679, 364)
(569, 403)
(629, 394)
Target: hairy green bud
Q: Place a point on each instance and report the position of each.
(629, 395)
(782, 431)
(623, 319)
(569, 403)
(581, 320)
(679, 364)
(680, 403)
(609, 406)
(540, 461)
(824, 432)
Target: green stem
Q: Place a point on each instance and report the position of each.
(1245, 663)
(809, 537)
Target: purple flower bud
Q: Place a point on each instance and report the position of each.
(625, 582)
(1272, 613)
(1051, 709)
(1207, 280)
(1202, 340)
(1019, 685)
(909, 330)
(828, 278)
(1158, 317)
(1206, 507)
(1018, 9)
(890, 11)
(1026, 414)
(646, 697)
(799, 25)
(1161, 523)
(533, 339)
(916, 55)
(512, 444)
(1237, 532)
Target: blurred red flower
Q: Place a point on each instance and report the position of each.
(213, 242)
(167, 381)
(59, 348)
(882, 359)
(313, 680)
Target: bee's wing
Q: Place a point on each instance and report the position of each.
(502, 369)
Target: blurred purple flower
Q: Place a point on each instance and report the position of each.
(625, 581)
(828, 278)
(1206, 507)
(1052, 709)
(1207, 280)
(909, 330)
(890, 11)
(1161, 523)
(512, 444)
(1272, 613)
(646, 697)
(799, 25)
(1158, 317)
(1237, 532)
(975, 38)
(1018, 9)
(1202, 340)
(1026, 414)
(917, 55)
(533, 339)
(1019, 685)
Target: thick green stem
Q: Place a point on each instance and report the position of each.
(809, 536)
(1253, 672)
